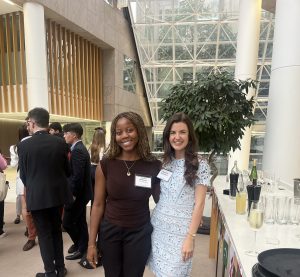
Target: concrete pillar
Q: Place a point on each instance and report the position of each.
(282, 141)
(246, 66)
(36, 55)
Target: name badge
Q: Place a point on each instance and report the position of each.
(142, 181)
(164, 175)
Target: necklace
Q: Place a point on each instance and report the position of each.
(128, 168)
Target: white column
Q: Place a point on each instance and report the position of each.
(246, 64)
(282, 141)
(36, 55)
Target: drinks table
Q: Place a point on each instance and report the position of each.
(231, 236)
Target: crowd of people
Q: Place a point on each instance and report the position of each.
(57, 176)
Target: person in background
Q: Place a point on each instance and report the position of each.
(14, 162)
(56, 129)
(74, 219)
(96, 151)
(125, 179)
(44, 168)
(178, 213)
(3, 165)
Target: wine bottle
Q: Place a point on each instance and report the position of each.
(253, 174)
(235, 169)
(234, 176)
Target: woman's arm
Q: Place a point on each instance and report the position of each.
(3, 163)
(188, 244)
(156, 186)
(14, 159)
(96, 215)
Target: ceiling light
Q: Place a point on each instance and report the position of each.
(9, 2)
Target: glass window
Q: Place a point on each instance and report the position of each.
(164, 90)
(207, 32)
(184, 52)
(184, 73)
(206, 52)
(165, 53)
(227, 51)
(164, 74)
(129, 71)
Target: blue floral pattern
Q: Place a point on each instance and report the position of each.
(171, 219)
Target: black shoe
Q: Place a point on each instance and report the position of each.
(17, 220)
(62, 273)
(76, 255)
(28, 245)
(73, 248)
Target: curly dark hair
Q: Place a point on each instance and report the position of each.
(191, 157)
(143, 148)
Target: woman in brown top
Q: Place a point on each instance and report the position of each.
(125, 179)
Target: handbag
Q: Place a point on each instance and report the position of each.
(4, 185)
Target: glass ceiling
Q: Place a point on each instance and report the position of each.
(178, 39)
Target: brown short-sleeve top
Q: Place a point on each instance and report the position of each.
(127, 205)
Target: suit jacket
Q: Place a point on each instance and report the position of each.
(44, 169)
(80, 179)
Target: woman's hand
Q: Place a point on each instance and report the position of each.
(188, 248)
(92, 255)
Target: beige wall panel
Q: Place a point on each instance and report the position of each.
(55, 71)
(10, 94)
(23, 64)
(66, 72)
(16, 106)
(70, 73)
(60, 68)
(4, 98)
(50, 63)
(106, 27)
(74, 74)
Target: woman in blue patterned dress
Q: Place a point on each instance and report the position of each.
(178, 213)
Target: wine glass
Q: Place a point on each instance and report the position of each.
(256, 219)
(245, 178)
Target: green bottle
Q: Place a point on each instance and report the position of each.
(253, 174)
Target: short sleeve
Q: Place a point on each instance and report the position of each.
(203, 173)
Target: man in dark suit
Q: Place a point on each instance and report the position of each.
(44, 168)
(74, 220)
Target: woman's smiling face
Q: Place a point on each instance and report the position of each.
(126, 134)
(179, 138)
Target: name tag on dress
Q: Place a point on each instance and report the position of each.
(164, 175)
(143, 181)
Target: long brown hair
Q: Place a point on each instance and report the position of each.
(22, 133)
(98, 143)
(142, 147)
(191, 158)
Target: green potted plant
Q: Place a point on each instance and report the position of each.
(218, 106)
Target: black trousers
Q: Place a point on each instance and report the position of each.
(125, 251)
(74, 222)
(1, 214)
(48, 225)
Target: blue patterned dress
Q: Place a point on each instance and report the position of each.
(171, 219)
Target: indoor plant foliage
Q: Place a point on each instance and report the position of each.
(218, 106)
